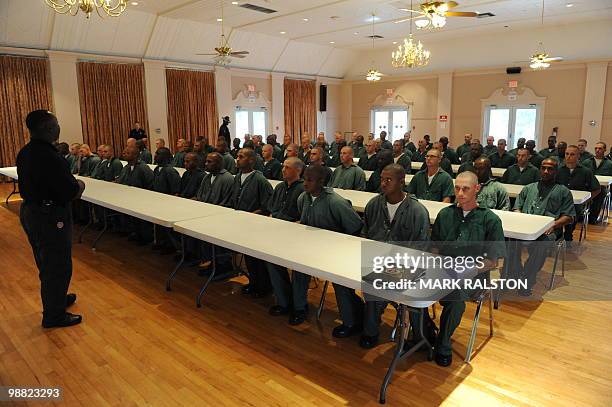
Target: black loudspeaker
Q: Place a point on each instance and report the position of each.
(513, 70)
(323, 98)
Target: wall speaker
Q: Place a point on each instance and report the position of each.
(512, 70)
(323, 98)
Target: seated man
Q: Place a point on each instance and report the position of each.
(228, 161)
(259, 162)
(348, 175)
(465, 147)
(88, 161)
(476, 151)
(290, 295)
(468, 155)
(201, 149)
(271, 166)
(534, 157)
(192, 177)
(523, 172)
(251, 192)
(551, 151)
(492, 194)
(291, 151)
(548, 198)
(385, 157)
(304, 151)
(73, 158)
(576, 177)
(322, 208)
(432, 183)
(421, 152)
(448, 152)
(283, 147)
(166, 178)
(182, 147)
(357, 146)
(110, 167)
(159, 143)
(384, 143)
(407, 143)
(402, 157)
(236, 145)
(367, 161)
(398, 218)
(584, 154)
(145, 155)
(316, 158)
(489, 148)
(600, 165)
(333, 148)
(501, 158)
(520, 144)
(445, 163)
(560, 157)
(462, 230)
(334, 160)
(276, 150)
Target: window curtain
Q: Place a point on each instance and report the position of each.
(112, 99)
(192, 106)
(24, 86)
(300, 108)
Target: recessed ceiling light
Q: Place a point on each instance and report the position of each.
(394, 42)
(355, 33)
(305, 19)
(235, 3)
(332, 42)
(283, 32)
(134, 3)
(219, 19)
(335, 17)
(568, 5)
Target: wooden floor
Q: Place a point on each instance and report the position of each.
(141, 345)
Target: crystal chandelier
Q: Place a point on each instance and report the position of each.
(112, 8)
(410, 54)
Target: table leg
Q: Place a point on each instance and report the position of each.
(585, 222)
(89, 221)
(13, 192)
(605, 207)
(210, 278)
(178, 265)
(400, 353)
(154, 234)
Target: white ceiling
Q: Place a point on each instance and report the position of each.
(176, 30)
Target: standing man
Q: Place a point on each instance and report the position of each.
(367, 161)
(348, 175)
(251, 192)
(137, 132)
(519, 144)
(291, 295)
(576, 177)
(501, 158)
(492, 193)
(47, 188)
(384, 143)
(551, 151)
(322, 208)
(523, 172)
(490, 147)
(432, 183)
(397, 218)
(465, 147)
(402, 157)
(224, 131)
(271, 166)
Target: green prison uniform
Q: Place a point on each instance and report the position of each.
(547, 152)
(408, 228)
(179, 159)
(462, 149)
(493, 195)
(166, 180)
(229, 163)
(145, 156)
(451, 155)
(108, 170)
(277, 152)
(201, 158)
(332, 212)
(333, 148)
(190, 183)
(409, 146)
(386, 145)
(368, 163)
(468, 165)
(419, 156)
(88, 165)
(334, 161)
(503, 161)
(373, 183)
(259, 163)
(487, 150)
(539, 199)
(328, 174)
(272, 169)
(474, 235)
(581, 179)
(351, 177)
(288, 293)
(514, 175)
(217, 191)
(405, 160)
(358, 150)
(139, 175)
(305, 156)
(445, 164)
(72, 162)
(441, 186)
(584, 155)
(536, 159)
(251, 195)
(604, 168)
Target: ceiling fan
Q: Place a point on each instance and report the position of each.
(223, 53)
(433, 14)
(541, 60)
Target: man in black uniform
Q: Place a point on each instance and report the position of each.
(47, 188)
(224, 131)
(138, 133)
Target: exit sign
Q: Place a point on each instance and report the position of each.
(513, 84)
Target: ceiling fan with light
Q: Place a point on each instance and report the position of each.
(541, 60)
(434, 14)
(224, 53)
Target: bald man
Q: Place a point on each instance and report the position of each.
(367, 161)
(145, 155)
(88, 161)
(385, 157)
(182, 146)
(348, 175)
(432, 183)
(316, 158)
(465, 147)
(271, 166)
(401, 156)
(110, 167)
(73, 158)
(228, 161)
(192, 177)
(490, 147)
(492, 193)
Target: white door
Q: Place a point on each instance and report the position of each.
(511, 123)
(400, 125)
(381, 122)
(394, 121)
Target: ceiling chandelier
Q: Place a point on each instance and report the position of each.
(112, 8)
(373, 75)
(541, 60)
(410, 54)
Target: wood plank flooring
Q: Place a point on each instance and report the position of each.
(140, 345)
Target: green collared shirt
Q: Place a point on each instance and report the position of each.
(108, 170)
(179, 159)
(166, 180)
(580, 179)
(503, 161)
(272, 169)
(368, 164)
(604, 167)
(351, 177)
(190, 183)
(514, 175)
(88, 165)
(284, 202)
(229, 163)
(493, 195)
(139, 175)
(217, 191)
(252, 194)
(547, 152)
(329, 211)
(405, 161)
(441, 186)
(462, 149)
(451, 155)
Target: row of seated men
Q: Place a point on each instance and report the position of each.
(394, 215)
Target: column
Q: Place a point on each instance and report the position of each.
(157, 101)
(445, 95)
(278, 105)
(223, 89)
(65, 92)
(594, 94)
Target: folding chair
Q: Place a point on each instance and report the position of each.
(561, 248)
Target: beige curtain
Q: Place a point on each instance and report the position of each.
(300, 108)
(192, 106)
(112, 98)
(24, 86)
